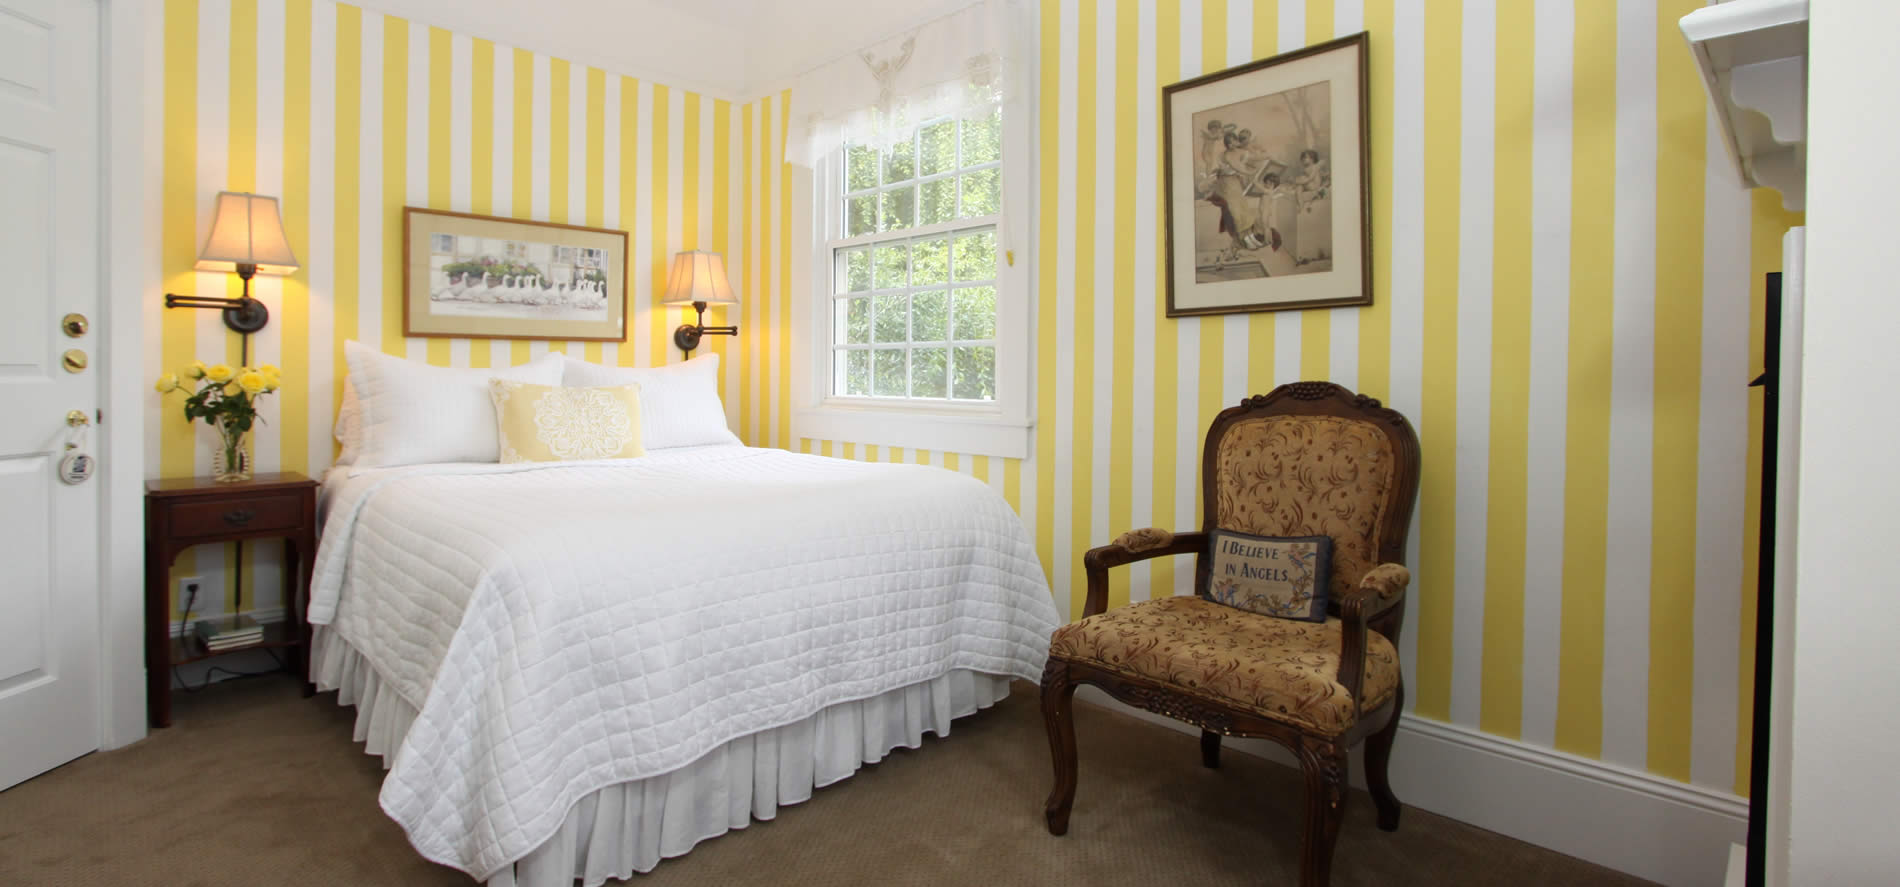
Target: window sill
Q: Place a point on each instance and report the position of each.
(985, 434)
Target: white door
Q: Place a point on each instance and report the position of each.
(50, 252)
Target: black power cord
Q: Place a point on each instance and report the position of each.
(191, 597)
(178, 680)
(179, 683)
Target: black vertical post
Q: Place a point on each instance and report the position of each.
(1770, 383)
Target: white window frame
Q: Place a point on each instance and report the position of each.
(998, 428)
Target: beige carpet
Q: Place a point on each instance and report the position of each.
(255, 785)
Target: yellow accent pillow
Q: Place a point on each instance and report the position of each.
(549, 423)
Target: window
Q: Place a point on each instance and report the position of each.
(915, 330)
(914, 268)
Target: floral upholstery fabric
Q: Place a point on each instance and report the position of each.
(1275, 668)
(1387, 580)
(1308, 476)
(1142, 540)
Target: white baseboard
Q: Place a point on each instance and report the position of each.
(1629, 820)
(1737, 866)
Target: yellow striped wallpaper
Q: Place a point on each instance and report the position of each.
(1568, 304)
(349, 115)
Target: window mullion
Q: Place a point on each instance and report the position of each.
(926, 232)
(910, 289)
(958, 134)
(843, 249)
(870, 333)
(950, 321)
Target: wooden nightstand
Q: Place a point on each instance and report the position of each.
(182, 512)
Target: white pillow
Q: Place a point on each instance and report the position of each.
(679, 404)
(411, 413)
(348, 429)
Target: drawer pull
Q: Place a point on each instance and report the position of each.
(239, 517)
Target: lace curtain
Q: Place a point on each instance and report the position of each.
(955, 65)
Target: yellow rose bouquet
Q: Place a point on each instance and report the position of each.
(226, 399)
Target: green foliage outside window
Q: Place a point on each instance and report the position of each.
(915, 318)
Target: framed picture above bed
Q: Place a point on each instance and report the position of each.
(1268, 199)
(493, 278)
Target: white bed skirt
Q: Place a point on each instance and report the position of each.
(630, 827)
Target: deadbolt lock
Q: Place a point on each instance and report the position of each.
(74, 360)
(74, 325)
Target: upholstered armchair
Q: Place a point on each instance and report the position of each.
(1308, 459)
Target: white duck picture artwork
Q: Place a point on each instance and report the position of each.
(498, 278)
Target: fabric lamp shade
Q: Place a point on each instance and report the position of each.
(698, 276)
(247, 230)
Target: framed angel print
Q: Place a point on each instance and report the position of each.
(1268, 198)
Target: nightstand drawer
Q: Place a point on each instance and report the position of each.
(238, 516)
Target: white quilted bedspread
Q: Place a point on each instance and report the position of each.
(561, 628)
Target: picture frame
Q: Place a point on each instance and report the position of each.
(1267, 184)
(537, 280)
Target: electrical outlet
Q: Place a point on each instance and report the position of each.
(188, 586)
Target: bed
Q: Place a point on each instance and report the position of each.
(573, 670)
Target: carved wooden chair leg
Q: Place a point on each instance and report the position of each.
(1378, 757)
(1325, 766)
(1058, 716)
(1210, 749)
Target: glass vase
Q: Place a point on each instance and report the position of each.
(231, 455)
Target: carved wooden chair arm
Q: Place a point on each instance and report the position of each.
(1386, 583)
(1379, 590)
(1129, 547)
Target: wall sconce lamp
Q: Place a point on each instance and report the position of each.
(247, 237)
(699, 279)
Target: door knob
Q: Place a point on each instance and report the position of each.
(77, 418)
(74, 325)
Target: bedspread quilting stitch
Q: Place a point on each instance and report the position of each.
(562, 628)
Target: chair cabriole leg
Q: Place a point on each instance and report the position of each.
(1210, 749)
(1059, 718)
(1378, 758)
(1324, 763)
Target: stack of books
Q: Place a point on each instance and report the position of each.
(229, 632)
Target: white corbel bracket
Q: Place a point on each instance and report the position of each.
(1752, 55)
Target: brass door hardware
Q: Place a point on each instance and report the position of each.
(74, 325)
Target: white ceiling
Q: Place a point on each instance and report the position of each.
(735, 49)
(716, 10)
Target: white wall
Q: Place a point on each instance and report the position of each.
(1847, 667)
